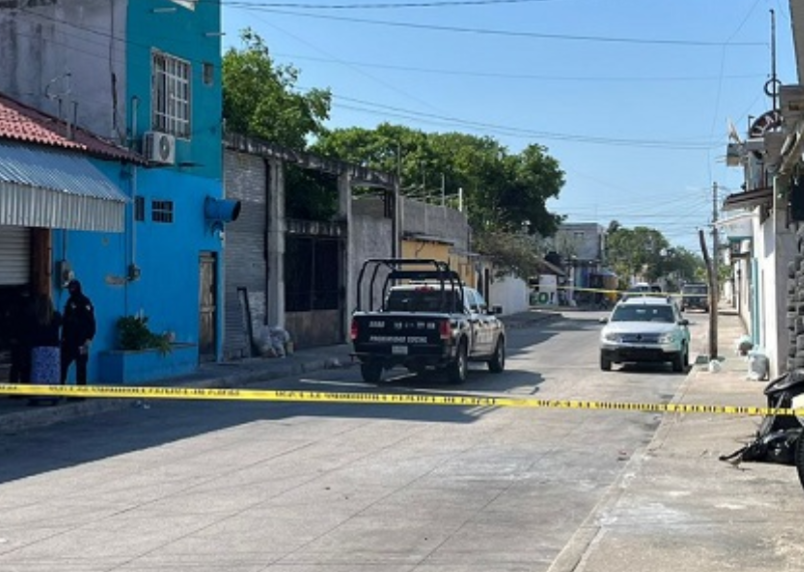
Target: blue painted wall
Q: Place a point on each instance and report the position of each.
(194, 36)
(167, 253)
(167, 290)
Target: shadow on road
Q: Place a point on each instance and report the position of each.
(148, 424)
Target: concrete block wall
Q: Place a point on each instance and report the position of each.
(245, 179)
(435, 220)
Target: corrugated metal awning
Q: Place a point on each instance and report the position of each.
(54, 189)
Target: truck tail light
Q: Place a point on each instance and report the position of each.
(353, 331)
(445, 330)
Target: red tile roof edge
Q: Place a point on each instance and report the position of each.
(21, 122)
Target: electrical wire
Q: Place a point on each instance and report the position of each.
(519, 132)
(518, 34)
(375, 6)
(596, 79)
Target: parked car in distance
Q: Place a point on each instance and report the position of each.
(695, 296)
(642, 289)
(645, 329)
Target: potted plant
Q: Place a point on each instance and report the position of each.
(135, 335)
(145, 356)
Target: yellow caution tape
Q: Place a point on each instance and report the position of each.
(630, 293)
(231, 394)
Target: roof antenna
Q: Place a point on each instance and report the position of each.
(773, 84)
(59, 96)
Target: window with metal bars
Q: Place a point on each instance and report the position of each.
(162, 211)
(170, 98)
(139, 209)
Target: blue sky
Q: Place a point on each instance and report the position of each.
(632, 97)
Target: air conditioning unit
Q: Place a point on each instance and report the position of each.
(160, 148)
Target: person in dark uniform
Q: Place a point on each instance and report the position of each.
(78, 329)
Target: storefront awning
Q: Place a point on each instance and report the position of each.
(47, 188)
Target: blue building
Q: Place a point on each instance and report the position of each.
(146, 75)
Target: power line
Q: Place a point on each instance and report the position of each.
(362, 72)
(519, 132)
(376, 6)
(515, 33)
(443, 71)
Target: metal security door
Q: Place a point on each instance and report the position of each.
(208, 289)
(15, 255)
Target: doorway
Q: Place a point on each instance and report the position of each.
(207, 299)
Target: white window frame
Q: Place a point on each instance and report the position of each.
(171, 96)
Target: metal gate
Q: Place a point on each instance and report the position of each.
(15, 255)
(314, 289)
(207, 299)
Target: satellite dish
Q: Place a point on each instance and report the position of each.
(733, 135)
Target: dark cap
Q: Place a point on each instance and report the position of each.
(74, 286)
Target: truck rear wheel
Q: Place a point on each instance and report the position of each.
(456, 370)
(371, 372)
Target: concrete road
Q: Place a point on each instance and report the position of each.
(301, 487)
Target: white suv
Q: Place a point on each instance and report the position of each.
(645, 329)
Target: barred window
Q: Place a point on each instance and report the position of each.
(162, 211)
(208, 73)
(170, 103)
(139, 208)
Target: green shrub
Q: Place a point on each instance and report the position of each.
(135, 335)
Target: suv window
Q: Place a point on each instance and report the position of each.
(644, 313)
(695, 289)
(470, 300)
(481, 302)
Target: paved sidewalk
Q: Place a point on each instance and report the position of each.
(677, 508)
(16, 415)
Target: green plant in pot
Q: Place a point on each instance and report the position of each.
(136, 335)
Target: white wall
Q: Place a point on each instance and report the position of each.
(511, 293)
(763, 282)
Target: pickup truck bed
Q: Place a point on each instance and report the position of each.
(427, 324)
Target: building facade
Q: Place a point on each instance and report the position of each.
(147, 76)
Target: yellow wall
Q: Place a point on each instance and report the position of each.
(440, 251)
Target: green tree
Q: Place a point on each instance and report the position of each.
(637, 252)
(502, 192)
(513, 253)
(259, 97)
(680, 266)
(504, 195)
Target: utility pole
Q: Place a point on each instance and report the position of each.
(714, 294)
(396, 201)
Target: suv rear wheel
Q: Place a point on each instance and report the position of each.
(456, 370)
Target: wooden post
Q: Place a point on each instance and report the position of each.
(711, 271)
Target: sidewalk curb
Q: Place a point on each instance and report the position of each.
(41, 416)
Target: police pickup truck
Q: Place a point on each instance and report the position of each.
(425, 319)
